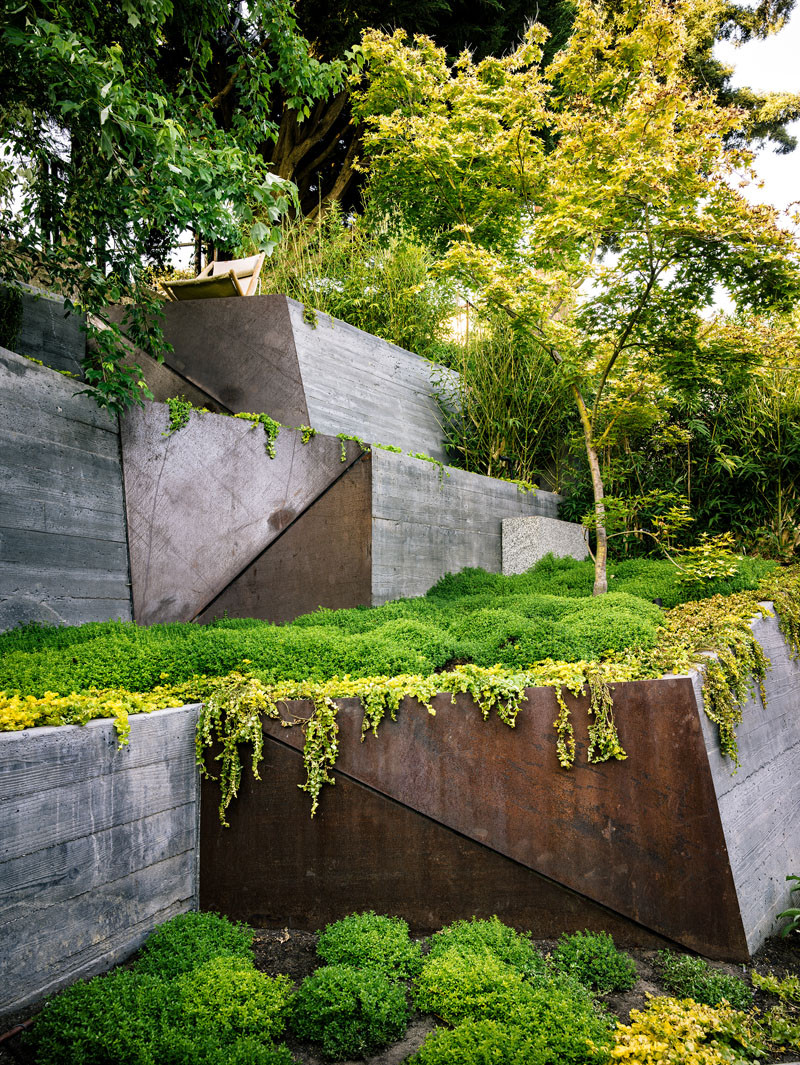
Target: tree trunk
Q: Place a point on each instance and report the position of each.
(601, 552)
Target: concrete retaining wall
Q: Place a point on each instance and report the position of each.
(50, 333)
(63, 541)
(98, 845)
(426, 523)
(760, 804)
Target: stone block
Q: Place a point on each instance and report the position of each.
(526, 540)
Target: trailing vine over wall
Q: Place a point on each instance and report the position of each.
(234, 705)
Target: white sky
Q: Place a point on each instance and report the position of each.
(772, 65)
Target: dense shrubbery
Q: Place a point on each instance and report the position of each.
(594, 961)
(370, 940)
(191, 940)
(193, 997)
(490, 937)
(349, 1012)
(672, 1030)
(690, 977)
(475, 616)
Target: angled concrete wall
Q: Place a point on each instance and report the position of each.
(426, 523)
(760, 803)
(259, 354)
(50, 333)
(63, 546)
(98, 845)
(217, 527)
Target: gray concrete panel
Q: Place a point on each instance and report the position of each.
(526, 540)
(98, 845)
(50, 333)
(760, 803)
(358, 384)
(426, 524)
(63, 541)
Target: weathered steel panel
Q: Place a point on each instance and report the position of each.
(203, 503)
(241, 352)
(275, 867)
(642, 837)
(322, 559)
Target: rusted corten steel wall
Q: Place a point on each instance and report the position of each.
(447, 816)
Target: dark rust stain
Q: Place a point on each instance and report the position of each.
(279, 519)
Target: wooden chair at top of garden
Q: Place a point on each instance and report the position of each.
(232, 277)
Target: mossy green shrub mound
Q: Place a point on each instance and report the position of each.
(690, 977)
(190, 940)
(457, 985)
(228, 997)
(119, 1018)
(349, 1012)
(473, 616)
(593, 960)
(370, 940)
(688, 1032)
(480, 1043)
(178, 1048)
(563, 1023)
(490, 937)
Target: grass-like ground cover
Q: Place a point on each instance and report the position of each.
(202, 993)
(473, 616)
(486, 634)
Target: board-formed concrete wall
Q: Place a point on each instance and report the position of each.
(50, 333)
(98, 845)
(427, 522)
(359, 384)
(63, 541)
(760, 804)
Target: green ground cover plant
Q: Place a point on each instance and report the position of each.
(371, 940)
(543, 626)
(690, 977)
(692, 1033)
(490, 937)
(191, 940)
(349, 1012)
(594, 961)
(193, 997)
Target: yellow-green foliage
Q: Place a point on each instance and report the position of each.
(332, 652)
(780, 1024)
(683, 1032)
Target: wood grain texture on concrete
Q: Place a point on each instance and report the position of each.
(527, 540)
(426, 523)
(63, 547)
(98, 845)
(356, 383)
(760, 802)
(206, 501)
(51, 333)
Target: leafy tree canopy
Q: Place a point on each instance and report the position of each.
(116, 141)
(596, 200)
